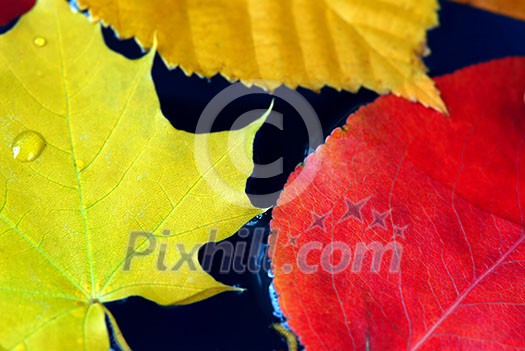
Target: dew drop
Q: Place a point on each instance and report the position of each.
(28, 146)
(40, 41)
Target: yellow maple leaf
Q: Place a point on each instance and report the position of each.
(92, 179)
(344, 44)
(512, 8)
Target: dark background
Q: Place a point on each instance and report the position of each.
(240, 322)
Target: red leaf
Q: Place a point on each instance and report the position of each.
(11, 9)
(445, 199)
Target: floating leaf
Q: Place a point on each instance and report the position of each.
(11, 9)
(342, 44)
(513, 8)
(409, 233)
(93, 177)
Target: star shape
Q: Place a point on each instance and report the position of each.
(292, 240)
(317, 221)
(379, 219)
(353, 209)
(399, 232)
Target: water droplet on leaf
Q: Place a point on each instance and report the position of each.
(28, 146)
(40, 41)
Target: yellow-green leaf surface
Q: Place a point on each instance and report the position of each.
(344, 44)
(111, 164)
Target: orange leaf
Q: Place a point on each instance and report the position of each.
(512, 8)
(339, 43)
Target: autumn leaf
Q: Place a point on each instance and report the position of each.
(92, 179)
(309, 43)
(406, 230)
(513, 8)
(11, 9)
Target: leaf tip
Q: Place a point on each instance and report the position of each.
(422, 89)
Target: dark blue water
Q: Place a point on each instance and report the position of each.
(240, 322)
